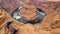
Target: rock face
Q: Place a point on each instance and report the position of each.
(11, 5)
(2, 16)
(49, 25)
(28, 11)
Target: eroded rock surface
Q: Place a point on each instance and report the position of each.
(49, 25)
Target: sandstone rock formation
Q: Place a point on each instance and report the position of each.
(49, 25)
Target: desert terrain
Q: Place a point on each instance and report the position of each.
(49, 25)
